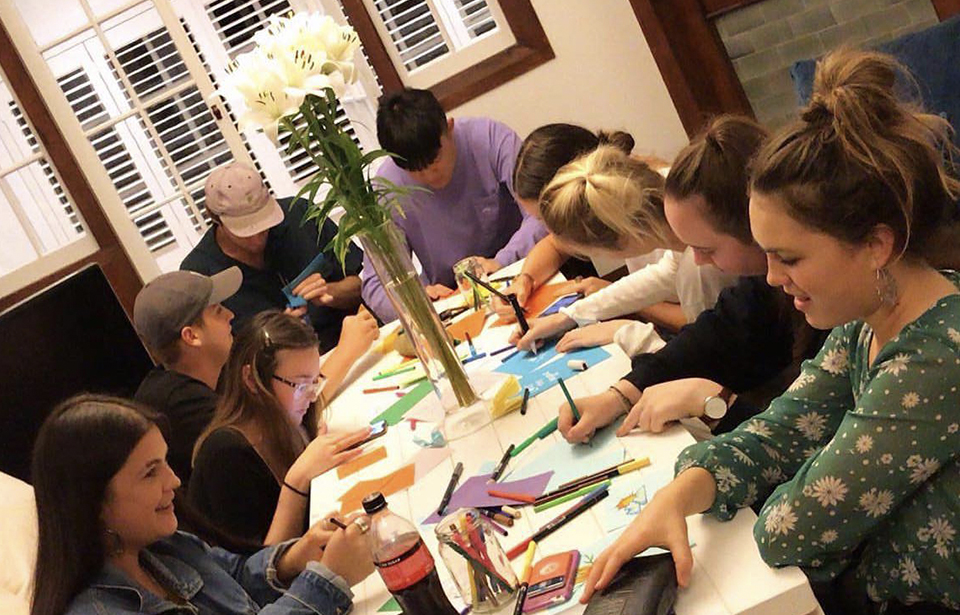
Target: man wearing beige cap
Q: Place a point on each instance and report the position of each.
(181, 319)
(267, 241)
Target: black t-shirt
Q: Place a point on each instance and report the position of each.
(188, 405)
(232, 486)
(290, 247)
(745, 342)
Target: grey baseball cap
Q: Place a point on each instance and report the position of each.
(171, 301)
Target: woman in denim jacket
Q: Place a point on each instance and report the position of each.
(109, 541)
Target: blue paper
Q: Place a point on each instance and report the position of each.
(541, 371)
(295, 301)
(562, 302)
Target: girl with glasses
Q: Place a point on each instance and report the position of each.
(254, 462)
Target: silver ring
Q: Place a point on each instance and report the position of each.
(362, 524)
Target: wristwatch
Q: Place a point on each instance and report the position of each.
(715, 406)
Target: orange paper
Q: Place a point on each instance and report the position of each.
(388, 485)
(367, 459)
(541, 299)
(472, 324)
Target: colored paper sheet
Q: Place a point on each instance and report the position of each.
(571, 461)
(562, 302)
(387, 485)
(394, 414)
(630, 493)
(544, 296)
(472, 324)
(525, 362)
(541, 299)
(538, 372)
(363, 461)
(296, 301)
(473, 492)
(390, 606)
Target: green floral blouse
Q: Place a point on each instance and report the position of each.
(859, 462)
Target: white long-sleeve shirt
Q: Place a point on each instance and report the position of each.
(675, 278)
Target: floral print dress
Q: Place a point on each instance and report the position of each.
(858, 462)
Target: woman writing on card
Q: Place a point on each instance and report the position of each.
(857, 461)
(739, 354)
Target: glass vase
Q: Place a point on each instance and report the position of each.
(464, 410)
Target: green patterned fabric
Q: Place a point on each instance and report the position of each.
(858, 462)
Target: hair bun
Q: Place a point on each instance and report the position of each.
(617, 138)
(817, 112)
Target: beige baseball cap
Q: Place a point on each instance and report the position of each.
(171, 301)
(237, 195)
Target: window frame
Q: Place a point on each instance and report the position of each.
(530, 50)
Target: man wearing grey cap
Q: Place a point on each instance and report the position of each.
(181, 319)
(266, 240)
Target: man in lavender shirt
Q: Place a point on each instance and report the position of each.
(469, 210)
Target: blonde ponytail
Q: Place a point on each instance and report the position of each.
(604, 200)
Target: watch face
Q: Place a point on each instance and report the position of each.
(714, 408)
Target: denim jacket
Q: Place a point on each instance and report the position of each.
(211, 581)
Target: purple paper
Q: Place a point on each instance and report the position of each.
(473, 493)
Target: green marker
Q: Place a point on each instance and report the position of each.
(573, 406)
(540, 434)
(570, 496)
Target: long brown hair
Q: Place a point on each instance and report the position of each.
(81, 446)
(863, 154)
(256, 347)
(714, 165)
(605, 197)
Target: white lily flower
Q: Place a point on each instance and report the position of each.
(305, 53)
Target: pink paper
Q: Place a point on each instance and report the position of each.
(473, 493)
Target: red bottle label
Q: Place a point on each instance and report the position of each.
(407, 568)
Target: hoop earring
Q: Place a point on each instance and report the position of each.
(116, 548)
(887, 291)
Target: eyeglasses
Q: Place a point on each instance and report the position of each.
(303, 390)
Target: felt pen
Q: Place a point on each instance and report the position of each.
(473, 350)
(473, 357)
(495, 516)
(570, 514)
(539, 506)
(540, 434)
(381, 389)
(509, 495)
(509, 510)
(338, 523)
(573, 406)
(525, 577)
(454, 479)
(619, 469)
(501, 350)
(498, 471)
(526, 398)
(511, 299)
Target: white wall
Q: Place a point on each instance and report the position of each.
(603, 76)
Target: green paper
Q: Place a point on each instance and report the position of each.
(394, 414)
(390, 606)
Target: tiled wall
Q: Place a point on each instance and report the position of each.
(766, 38)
